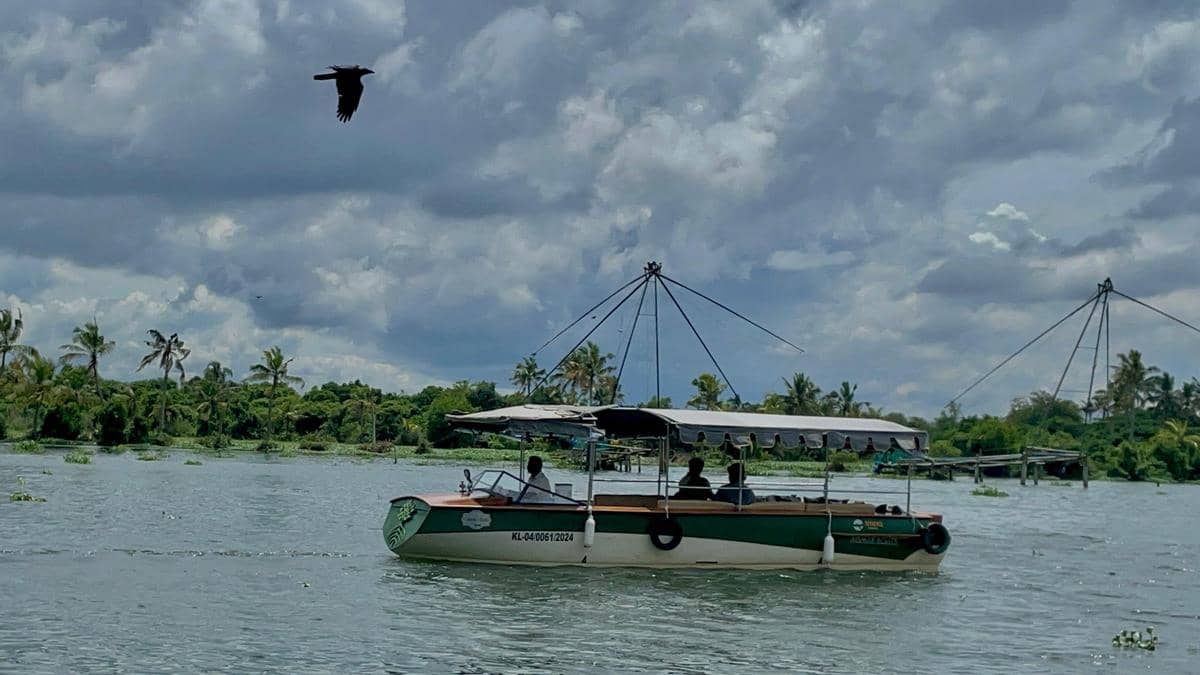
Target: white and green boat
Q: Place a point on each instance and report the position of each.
(493, 518)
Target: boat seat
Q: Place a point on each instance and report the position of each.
(643, 501)
(851, 509)
(696, 505)
(789, 507)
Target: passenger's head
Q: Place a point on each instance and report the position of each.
(736, 473)
(535, 465)
(696, 465)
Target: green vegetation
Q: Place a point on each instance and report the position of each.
(988, 491)
(28, 448)
(21, 495)
(78, 457)
(1144, 426)
(1132, 639)
(192, 462)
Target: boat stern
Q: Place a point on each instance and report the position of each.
(403, 520)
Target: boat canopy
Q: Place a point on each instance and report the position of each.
(715, 427)
(568, 421)
(702, 427)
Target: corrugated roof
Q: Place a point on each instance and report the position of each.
(711, 427)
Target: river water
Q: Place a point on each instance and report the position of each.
(253, 565)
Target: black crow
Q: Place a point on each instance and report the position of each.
(349, 87)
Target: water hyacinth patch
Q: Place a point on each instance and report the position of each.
(29, 448)
(78, 457)
(988, 491)
(1132, 639)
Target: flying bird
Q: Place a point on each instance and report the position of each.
(349, 87)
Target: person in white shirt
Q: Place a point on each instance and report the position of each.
(537, 479)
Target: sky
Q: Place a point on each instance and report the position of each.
(909, 191)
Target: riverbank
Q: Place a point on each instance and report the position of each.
(489, 457)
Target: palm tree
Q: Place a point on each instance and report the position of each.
(36, 388)
(1162, 395)
(88, 344)
(527, 374)
(170, 353)
(708, 392)
(801, 395)
(214, 388)
(846, 406)
(1189, 397)
(584, 369)
(1179, 432)
(1132, 382)
(273, 369)
(10, 333)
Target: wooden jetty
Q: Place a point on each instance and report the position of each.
(1030, 457)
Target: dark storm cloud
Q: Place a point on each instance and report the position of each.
(511, 162)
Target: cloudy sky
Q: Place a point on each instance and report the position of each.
(908, 190)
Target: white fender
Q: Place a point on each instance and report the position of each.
(827, 550)
(589, 531)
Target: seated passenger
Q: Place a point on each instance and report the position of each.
(735, 491)
(536, 479)
(693, 485)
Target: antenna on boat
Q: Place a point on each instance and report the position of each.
(1100, 300)
(651, 274)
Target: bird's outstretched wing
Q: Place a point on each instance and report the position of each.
(349, 93)
(325, 76)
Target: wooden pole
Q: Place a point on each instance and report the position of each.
(1083, 462)
(978, 462)
(1024, 465)
(1037, 472)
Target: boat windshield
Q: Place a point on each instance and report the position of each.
(499, 483)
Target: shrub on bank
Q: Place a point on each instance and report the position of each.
(78, 457)
(216, 442)
(838, 461)
(376, 447)
(112, 423)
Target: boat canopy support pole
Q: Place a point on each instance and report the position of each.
(664, 452)
(591, 460)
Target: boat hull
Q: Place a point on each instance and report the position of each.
(441, 529)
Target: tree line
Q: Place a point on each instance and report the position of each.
(1141, 426)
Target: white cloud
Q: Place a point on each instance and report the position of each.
(984, 238)
(1006, 210)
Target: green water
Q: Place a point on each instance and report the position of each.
(252, 565)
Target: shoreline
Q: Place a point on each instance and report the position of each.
(774, 468)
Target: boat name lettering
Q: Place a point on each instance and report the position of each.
(543, 536)
(476, 520)
(874, 524)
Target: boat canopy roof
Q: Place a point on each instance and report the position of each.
(710, 427)
(570, 421)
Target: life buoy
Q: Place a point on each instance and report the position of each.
(935, 538)
(662, 526)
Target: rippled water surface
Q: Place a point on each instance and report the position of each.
(257, 565)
